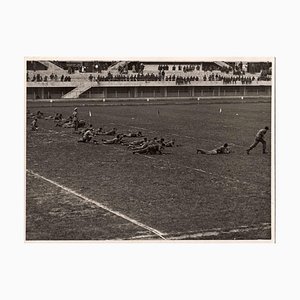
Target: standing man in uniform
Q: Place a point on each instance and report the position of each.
(259, 138)
(75, 119)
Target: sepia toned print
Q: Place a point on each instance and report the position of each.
(150, 149)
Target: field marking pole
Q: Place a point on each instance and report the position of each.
(68, 190)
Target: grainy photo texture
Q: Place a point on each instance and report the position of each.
(149, 149)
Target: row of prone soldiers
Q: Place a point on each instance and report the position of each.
(142, 145)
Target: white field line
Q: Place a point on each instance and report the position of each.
(104, 207)
(141, 237)
(218, 231)
(206, 233)
(210, 232)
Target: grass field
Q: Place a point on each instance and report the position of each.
(81, 191)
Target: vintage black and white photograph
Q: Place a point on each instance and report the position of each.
(149, 150)
(144, 149)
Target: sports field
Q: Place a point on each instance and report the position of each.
(78, 191)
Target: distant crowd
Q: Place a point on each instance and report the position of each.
(46, 78)
(213, 77)
(187, 68)
(177, 79)
(151, 77)
(193, 67)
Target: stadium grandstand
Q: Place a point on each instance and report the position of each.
(146, 79)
